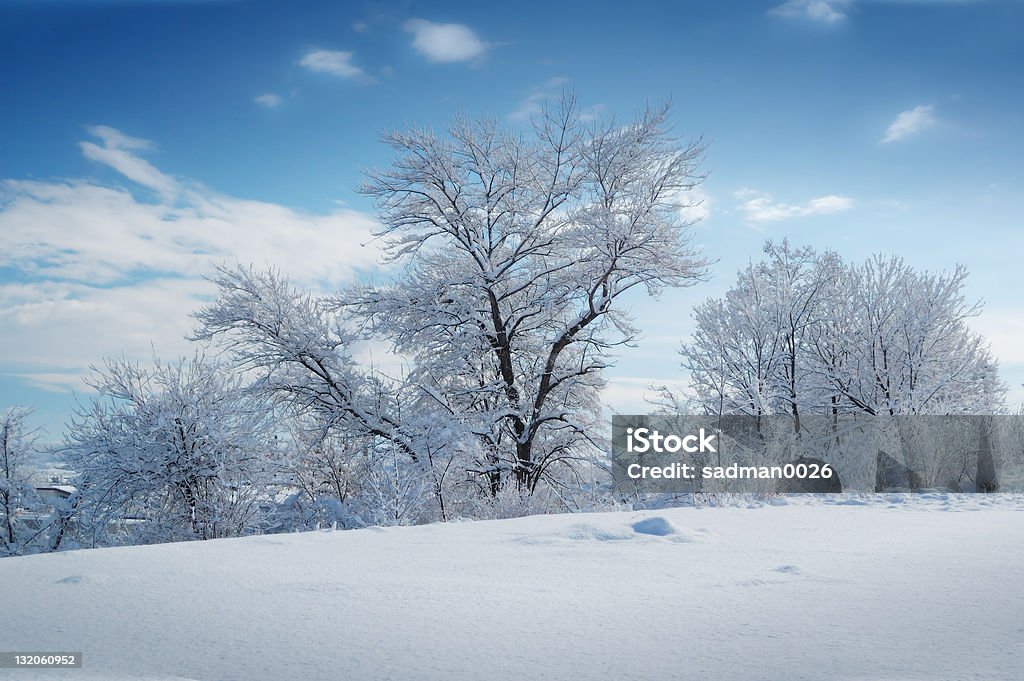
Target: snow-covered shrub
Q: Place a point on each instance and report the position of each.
(178, 451)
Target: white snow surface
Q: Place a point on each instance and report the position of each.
(884, 588)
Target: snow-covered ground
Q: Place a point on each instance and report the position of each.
(880, 588)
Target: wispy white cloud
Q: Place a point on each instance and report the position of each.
(104, 271)
(117, 150)
(909, 123)
(829, 12)
(762, 207)
(51, 382)
(533, 103)
(116, 139)
(334, 62)
(835, 12)
(550, 91)
(270, 100)
(636, 395)
(695, 205)
(445, 43)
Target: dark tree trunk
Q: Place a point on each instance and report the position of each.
(987, 480)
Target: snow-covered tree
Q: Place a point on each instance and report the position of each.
(23, 521)
(806, 333)
(912, 350)
(749, 353)
(175, 452)
(799, 289)
(516, 251)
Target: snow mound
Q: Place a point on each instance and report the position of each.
(658, 526)
(587, 531)
(603, 530)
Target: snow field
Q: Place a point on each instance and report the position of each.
(873, 588)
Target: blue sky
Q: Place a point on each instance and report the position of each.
(143, 141)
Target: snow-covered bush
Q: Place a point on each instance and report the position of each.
(178, 451)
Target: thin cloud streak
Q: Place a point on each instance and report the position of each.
(270, 100)
(828, 12)
(334, 62)
(909, 123)
(759, 207)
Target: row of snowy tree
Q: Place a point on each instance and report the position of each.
(803, 332)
